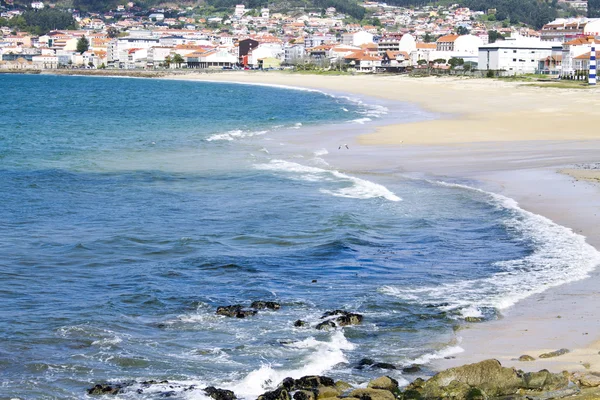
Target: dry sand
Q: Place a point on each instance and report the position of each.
(507, 138)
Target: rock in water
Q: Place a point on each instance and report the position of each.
(299, 323)
(555, 353)
(325, 325)
(236, 310)
(344, 318)
(261, 305)
(219, 394)
(277, 394)
(104, 389)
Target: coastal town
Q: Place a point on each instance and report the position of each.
(397, 40)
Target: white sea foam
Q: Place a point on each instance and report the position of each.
(437, 355)
(234, 134)
(321, 152)
(358, 188)
(361, 120)
(559, 256)
(323, 355)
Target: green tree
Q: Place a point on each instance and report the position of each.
(112, 32)
(455, 62)
(461, 30)
(494, 36)
(168, 61)
(178, 60)
(83, 45)
(428, 38)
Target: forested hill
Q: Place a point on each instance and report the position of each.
(531, 12)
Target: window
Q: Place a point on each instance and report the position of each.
(514, 59)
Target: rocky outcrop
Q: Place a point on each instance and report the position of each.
(343, 318)
(526, 357)
(368, 363)
(101, 389)
(372, 394)
(384, 383)
(239, 311)
(486, 380)
(586, 379)
(261, 305)
(219, 394)
(236, 310)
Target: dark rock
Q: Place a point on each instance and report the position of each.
(325, 325)
(304, 395)
(219, 394)
(299, 323)
(475, 394)
(277, 394)
(349, 319)
(100, 389)
(288, 384)
(555, 353)
(365, 361)
(236, 310)
(473, 319)
(313, 381)
(344, 317)
(261, 305)
(411, 394)
(381, 365)
(413, 369)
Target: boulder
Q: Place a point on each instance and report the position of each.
(526, 357)
(342, 386)
(381, 365)
(219, 394)
(304, 395)
(586, 379)
(344, 318)
(324, 392)
(487, 375)
(372, 394)
(384, 383)
(325, 325)
(544, 380)
(557, 394)
(313, 381)
(413, 369)
(261, 305)
(101, 389)
(473, 319)
(236, 310)
(554, 353)
(278, 394)
(299, 323)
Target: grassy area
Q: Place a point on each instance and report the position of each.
(562, 85)
(527, 77)
(317, 72)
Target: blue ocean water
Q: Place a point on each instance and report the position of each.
(131, 209)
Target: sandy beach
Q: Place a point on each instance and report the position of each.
(508, 138)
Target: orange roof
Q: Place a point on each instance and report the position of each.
(448, 38)
(369, 46)
(431, 46)
(583, 40)
(359, 55)
(586, 56)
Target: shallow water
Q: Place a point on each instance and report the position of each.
(132, 209)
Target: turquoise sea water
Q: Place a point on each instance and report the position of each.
(131, 209)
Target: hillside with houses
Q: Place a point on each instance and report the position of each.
(389, 38)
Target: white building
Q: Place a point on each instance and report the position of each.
(293, 52)
(264, 13)
(240, 10)
(357, 38)
(37, 5)
(514, 56)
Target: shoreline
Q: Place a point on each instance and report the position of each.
(509, 153)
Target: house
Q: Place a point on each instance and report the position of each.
(245, 46)
(395, 61)
(515, 55)
(582, 63)
(45, 61)
(293, 52)
(446, 43)
(357, 38)
(211, 59)
(572, 49)
(363, 62)
(37, 5)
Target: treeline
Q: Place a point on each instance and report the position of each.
(40, 22)
(343, 6)
(531, 12)
(593, 8)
